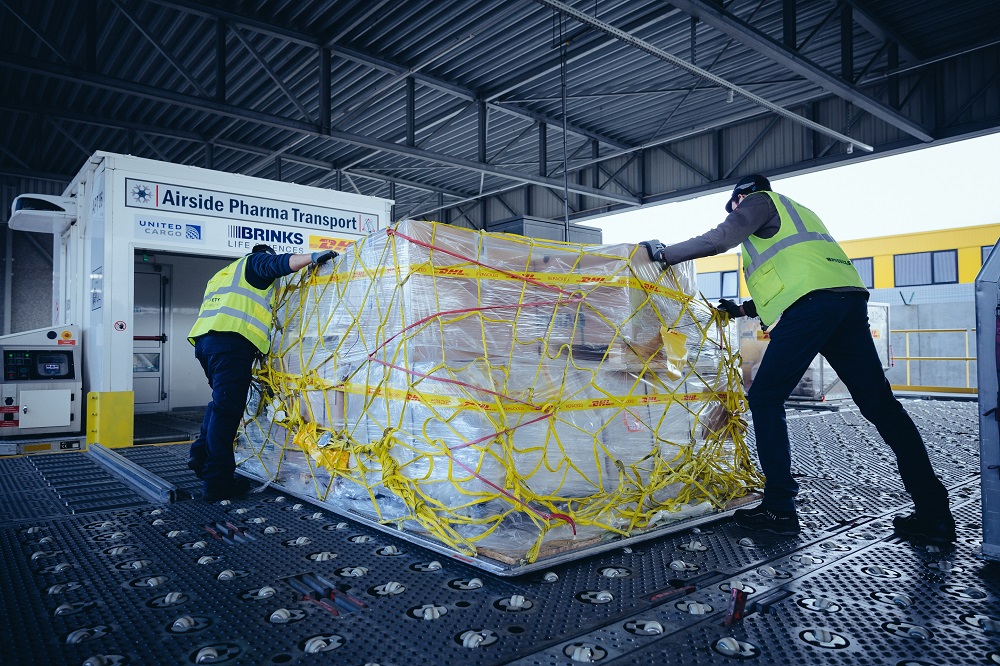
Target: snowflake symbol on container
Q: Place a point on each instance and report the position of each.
(142, 193)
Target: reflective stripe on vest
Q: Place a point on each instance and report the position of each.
(801, 235)
(228, 289)
(800, 258)
(263, 300)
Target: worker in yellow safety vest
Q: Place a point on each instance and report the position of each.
(796, 271)
(234, 327)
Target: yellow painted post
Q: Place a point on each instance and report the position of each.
(110, 418)
(967, 358)
(908, 358)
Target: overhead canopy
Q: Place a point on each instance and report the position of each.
(467, 111)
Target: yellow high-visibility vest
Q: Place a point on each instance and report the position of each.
(232, 304)
(800, 258)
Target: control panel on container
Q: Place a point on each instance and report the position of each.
(35, 364)
(41, 388)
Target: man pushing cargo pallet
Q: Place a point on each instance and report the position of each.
(232, 328)
(796, 271)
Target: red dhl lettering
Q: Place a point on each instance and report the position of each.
(324, 244)
(646, 399)
(449, 271)
(601, 403)
(689, 397)
(586, 279)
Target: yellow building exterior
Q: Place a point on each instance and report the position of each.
(968, 242)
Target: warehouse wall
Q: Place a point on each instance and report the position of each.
(25, 261)
(932, 307)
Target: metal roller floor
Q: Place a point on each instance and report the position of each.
(93, 574)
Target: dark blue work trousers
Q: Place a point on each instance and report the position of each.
(227, 359)
(834, 324)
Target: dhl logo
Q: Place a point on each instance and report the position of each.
(326, 243)
(876, 333)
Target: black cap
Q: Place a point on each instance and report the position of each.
(262, 248)
(748, 184)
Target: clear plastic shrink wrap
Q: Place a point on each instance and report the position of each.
(506, 396)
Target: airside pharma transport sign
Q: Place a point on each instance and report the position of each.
(287, 226)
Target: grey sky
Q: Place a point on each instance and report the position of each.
(954, 185)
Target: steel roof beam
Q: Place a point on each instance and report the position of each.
(659, 53)
(374, 175)
(468, 95)
(271, 120)
(100, 121)
(581, 50)
(763, 44)
(160, 48)
(863, 16)
(36, 32)
(180, 135)
(274, 75)
(207, 11)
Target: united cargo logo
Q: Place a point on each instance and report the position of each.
(158, 228)
(146, 226)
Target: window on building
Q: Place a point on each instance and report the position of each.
(922, 268)
(719, 284)
(986, 252)
(866, 270)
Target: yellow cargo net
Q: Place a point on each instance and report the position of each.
(500, 391)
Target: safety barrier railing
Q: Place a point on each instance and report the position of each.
(966, 359)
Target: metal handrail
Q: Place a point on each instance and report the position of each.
(966, 359)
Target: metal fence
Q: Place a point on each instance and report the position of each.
(966, 372)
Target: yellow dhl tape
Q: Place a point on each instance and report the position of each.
(617, 402)
(481, 273)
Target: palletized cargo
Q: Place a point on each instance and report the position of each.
(508, 401)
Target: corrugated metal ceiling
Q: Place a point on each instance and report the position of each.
(237, 85)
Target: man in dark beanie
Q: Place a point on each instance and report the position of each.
(796, 271)
(233, 327)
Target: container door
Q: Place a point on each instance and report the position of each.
(149, 340)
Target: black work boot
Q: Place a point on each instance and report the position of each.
(196, 460)
(763, 519)
(938, 529)
(229, 489)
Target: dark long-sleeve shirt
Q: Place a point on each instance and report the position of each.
(756, 215)
(262, 268)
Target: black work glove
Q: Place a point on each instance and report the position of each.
(731, 308)
(734, 310)
(657, 250)
(320, 258)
